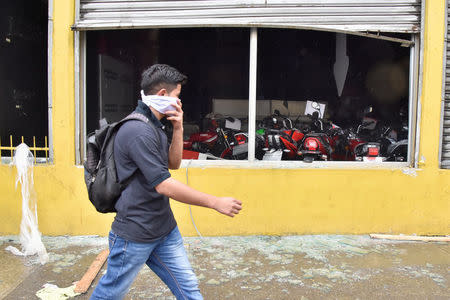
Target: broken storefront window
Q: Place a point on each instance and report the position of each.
(320, 95)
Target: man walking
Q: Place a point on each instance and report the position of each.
(144, 230)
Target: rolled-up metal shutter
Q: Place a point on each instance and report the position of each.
(345, 15)
(445, 156)
(445, 137)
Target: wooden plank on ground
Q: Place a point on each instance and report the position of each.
(411, 238)
(85, 282)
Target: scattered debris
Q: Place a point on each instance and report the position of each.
(330, 273)
(411, 238)
(200, 277)
(252, 288)
(63, 261)
(421, 272)
(213, 282)
(282, 273)
(53, 292)
(264, 266)
(83, 285)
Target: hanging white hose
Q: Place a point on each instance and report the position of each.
(30, 237)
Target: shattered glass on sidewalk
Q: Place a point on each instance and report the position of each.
(255, 267)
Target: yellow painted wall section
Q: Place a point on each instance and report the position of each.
(63, 70)
(276, 201)
(432, 83)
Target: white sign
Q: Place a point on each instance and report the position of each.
(312, 106)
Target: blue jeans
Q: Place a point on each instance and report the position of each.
(166, 257)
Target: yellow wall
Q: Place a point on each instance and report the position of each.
(276, 201)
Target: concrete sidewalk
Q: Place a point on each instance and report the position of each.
(253, 267)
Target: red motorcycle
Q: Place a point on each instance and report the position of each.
(218, 142)
(281, 139)
(284, 141)
(316, 146)
(318, 143)
(351, 146)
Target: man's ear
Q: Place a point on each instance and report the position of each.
(161, 92)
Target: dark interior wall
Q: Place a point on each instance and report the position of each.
(297, 65)
(123, 45)
(379, 73)
(378, 76)
(216, 62)
(23, 70)
(294, 65)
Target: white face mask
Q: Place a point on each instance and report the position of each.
(160, 103)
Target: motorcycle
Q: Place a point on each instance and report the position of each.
(394, 138)
(392, 148)
(280, 138)
(317, 143)
(221, 140)
(359, 144)
(350, 146)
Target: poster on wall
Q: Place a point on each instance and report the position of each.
(116, 88)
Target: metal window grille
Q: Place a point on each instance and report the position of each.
(34, 149)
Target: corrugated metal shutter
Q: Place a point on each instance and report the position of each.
(345, 15)
(445, 139)
(445, 157)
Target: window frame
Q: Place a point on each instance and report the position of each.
(50, 79)
(414, 85)
(49, 159)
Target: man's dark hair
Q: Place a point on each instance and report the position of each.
(161, 76)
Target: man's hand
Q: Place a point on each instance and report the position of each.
(227, 206)
(176, 116)
(176, 147)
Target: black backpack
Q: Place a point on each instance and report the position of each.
(100, 174)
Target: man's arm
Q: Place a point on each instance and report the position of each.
(176, 146)
(184, 193)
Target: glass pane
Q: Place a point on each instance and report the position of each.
(328, 96)
(215, 99)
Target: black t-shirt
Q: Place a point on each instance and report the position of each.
(143, 215)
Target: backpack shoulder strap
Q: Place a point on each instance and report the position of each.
(140, 117)
(135, 116)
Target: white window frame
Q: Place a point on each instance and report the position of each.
(50, 79)
(416, 51)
